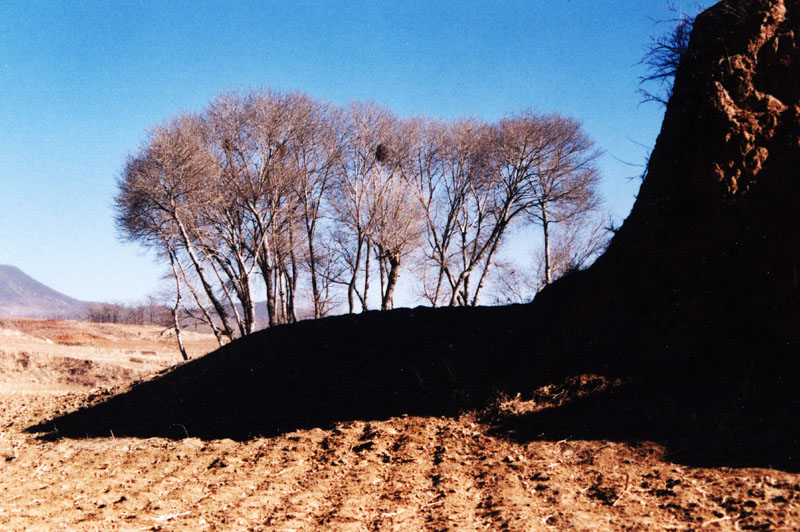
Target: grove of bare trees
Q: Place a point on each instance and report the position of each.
(278, 197)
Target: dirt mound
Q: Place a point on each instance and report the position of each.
(314, 373)
(697, 297)
(711, 247)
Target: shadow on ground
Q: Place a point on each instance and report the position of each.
(694, 433)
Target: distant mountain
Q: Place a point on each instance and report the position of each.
(21, 296)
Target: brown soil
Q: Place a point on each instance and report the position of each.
(492, 469)
(469, 472)
(53, 356)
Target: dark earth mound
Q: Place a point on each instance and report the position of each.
(696, 298)
(313, 373)
(695, 303)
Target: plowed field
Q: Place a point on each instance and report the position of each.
(463, 473)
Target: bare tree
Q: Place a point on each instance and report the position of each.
(452, 168)
(228, 240)
(308, 197)
(423, 170)
(176, 309)
(574, 244)
(395, 225)
(367, 133)
(160, 191)
(483, 200)
(512, 283)
(252, 136)
(314, 156)
(560, 175)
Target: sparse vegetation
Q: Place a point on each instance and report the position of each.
(151, 312)
(663, 56)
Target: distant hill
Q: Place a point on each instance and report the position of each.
(22, 296)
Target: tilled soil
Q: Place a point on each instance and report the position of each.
(54, 356)
(404, 473)
(485, 470)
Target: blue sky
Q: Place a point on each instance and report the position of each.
(81, 82)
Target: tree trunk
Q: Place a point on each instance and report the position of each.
(382, 275)
(312, 266)
(391, 282)
(221, 312)
(364, 302)
(291, 286)
(200, 305)
(266, 274)
(486, 268)
(279, 282)
(224, 287)
(176, 309)
(248, 305)
(291, 277)
(439, 278)
(548, 274)
(351, 287)
(310, 214)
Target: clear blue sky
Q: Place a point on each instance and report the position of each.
(82, 81)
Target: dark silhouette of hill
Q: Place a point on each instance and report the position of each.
(695, 305)
(368, 366)
(21, 296)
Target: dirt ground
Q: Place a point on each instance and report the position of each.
(53, 356)
(403, 473)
